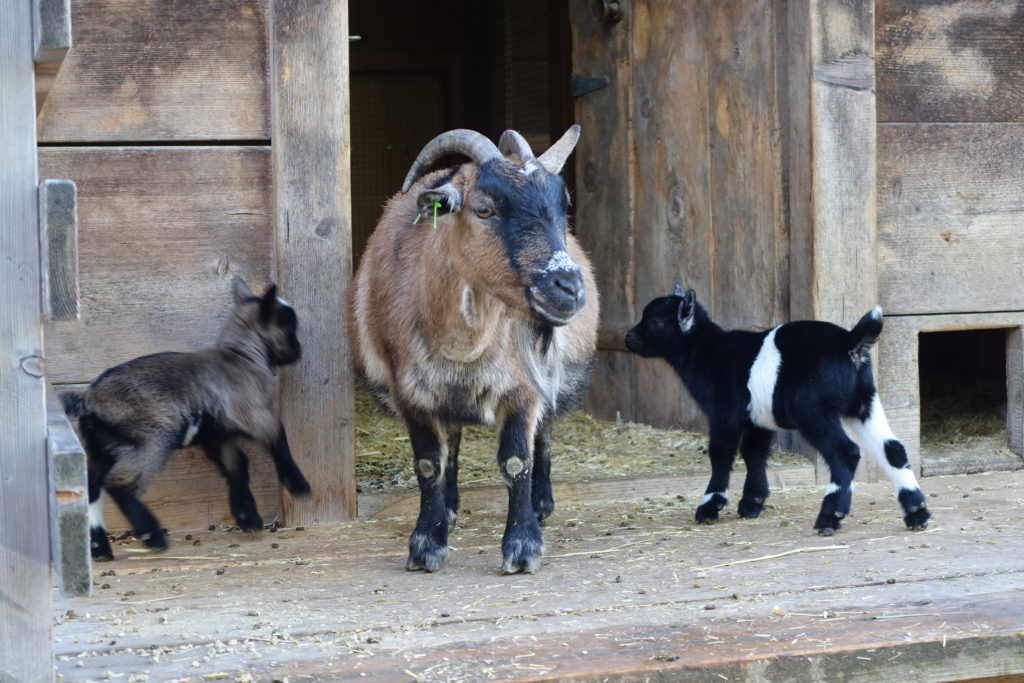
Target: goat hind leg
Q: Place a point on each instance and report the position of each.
(541, 496)
(234, 465)
(144, 524)
(841, 455)
(451, 475)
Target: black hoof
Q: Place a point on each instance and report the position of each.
(918, 519)
(155, 540)
(750, 508)
(827, 524)
(100, 545)
(707, 512)
(543, 507)
(521, 549)
(249, 521)
(426, 553)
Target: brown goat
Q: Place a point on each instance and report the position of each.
(485, 314)
(135, 415)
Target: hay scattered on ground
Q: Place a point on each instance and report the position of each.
(583, 448)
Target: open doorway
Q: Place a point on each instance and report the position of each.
(964, 402)
(419, 69)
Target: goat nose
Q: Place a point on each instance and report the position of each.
(570, 282)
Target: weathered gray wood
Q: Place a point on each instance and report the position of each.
(950, 61)
(898, 376)
(156, 70)
(1015, 389)
(831, 162)
(26, 649)
(51, 40)
(58, 224)
(71, 553)
(162, 231)
(950, 207)
(311, 152)
(605, 184)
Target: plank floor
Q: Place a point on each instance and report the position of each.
(630, 588)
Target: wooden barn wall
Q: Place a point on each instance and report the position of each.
(950, 85)
(160, 115)
(679, 176)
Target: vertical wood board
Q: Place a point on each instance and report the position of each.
(155, 70)
(312, 219)
(162, 232)
(26, 648)
(951, 205)
(1015, 389)
(950, 61)
(605, 188)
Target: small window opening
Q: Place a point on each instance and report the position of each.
(963, 402)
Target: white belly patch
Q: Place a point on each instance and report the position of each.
(763, 375)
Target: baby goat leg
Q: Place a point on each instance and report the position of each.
(287, 471)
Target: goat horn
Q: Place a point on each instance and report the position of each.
(460, 141)
(512, 142)
(554, 158)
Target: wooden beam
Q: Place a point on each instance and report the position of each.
(69, 497)
(26, 648)
(51, 36)
(58, 226)
(311, 151)
(1015, 389)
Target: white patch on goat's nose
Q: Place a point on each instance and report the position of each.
(560, 260)
(761, 384)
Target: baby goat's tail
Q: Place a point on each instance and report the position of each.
(865, 333)
(73, 402)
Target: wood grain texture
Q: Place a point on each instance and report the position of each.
(898, 376)
(26, 646)
(671, 203)
(952, 62)
(51, 41)
(69, 500)
(750, 254)
(605, 184)
(155, 70)
(951, 202)
(58, 219)
(1015, 389)
(312, 203)
(155, 269)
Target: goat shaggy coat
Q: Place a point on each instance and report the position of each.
(488, 316)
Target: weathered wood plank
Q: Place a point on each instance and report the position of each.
(951, 202)
(155, 269)
(312, 204)
(954, 62)
(26, 648)
(671, 203)
(58, 225)
(1015, 389)
(750, 251)
(898, 374)
(51, 40)
(153, 70)
(605, 184)
(72, 561)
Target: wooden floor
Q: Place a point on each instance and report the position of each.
(630, 588)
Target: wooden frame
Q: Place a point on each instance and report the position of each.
(26, 648)
(310, 151)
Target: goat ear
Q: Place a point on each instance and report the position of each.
(687, 309)
(268, 302)
(240, 290)
(447, 196)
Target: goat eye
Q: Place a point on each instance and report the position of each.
(484, 212)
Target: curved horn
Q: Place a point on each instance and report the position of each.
(554, 158)
(460, 141)
(512, 142)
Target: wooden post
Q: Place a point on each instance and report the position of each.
(834, 268)
(1015, 389)
(26, 649)
(311, 150)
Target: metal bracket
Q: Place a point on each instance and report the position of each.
(583, 85)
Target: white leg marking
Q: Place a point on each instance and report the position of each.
(190, 433)
(96, 513)
(871, 436)
(832, 488)
(763, 375)
(709, 496)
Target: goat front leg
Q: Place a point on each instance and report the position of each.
(841, 455)
(288, 472)
(234, 465)
(754, 447)
(543, 501)
(722, 446)
(523, 544)
(428, 544)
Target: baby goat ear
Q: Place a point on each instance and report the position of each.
(687, 308)
(240, 290)
(267, 303)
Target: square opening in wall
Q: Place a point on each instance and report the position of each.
(964, 402)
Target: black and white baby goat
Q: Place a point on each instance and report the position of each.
(135, 415)
(809, 376)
